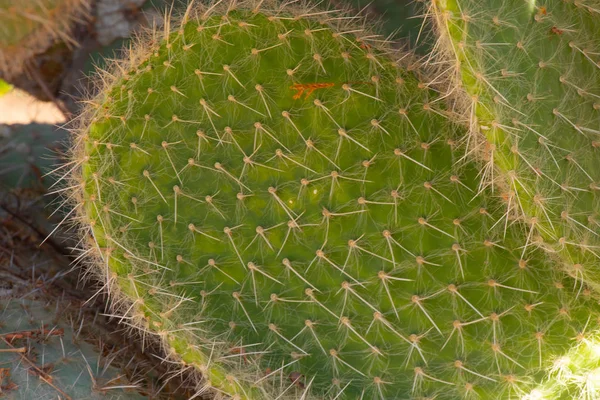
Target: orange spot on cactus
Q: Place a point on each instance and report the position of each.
(309, 88)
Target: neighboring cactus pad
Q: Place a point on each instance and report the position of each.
(531, 73)
(43, 357)
(28, 27)
(282, 205)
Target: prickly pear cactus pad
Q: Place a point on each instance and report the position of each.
(531, 78)
(271, 192)
(29, 26)
(42, 357)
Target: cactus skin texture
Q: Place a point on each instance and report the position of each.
(44, 357)
(277, 199)
(530, 73)
(31, 26)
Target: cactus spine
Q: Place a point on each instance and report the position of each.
(43, 356)
(31, 26)
(272, 193)
(530, 75)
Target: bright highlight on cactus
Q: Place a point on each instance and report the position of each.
(531, 79)
(275, 196)
(574, 375)
(30, 26)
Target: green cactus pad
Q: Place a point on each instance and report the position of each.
(43, 357)
(30, 26)
(531, 78)
(278, 199)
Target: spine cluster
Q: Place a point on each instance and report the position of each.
(287, 203)
(30, 27)
(530, 95)
(44, 355)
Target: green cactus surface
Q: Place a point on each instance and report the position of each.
(275, 194)
(531, 78)
(30, 26)
(44, 357)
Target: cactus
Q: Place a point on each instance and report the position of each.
(31, 26)
(276, 195)
(44, 358)
(530, 78)
(399, 18)
(574, 375)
